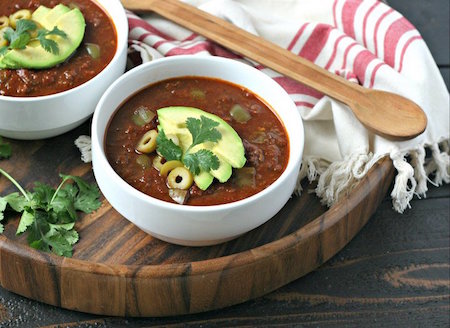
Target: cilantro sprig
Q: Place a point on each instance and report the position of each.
(167, 148)
(5, 149)
(49, 215)
(21, 37)
(202, 130)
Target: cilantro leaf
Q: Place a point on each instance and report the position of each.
(87, 199)
(55, 31)
(20, 41)
(202, 160)
(16, 201)
(49, 215)
(63, 203)
(25, 25)
(19, 38)
(5, 149)
(3, 204)
(50, 45)
(3, 50)
(26, 220)
(60, 244)
(8, 34)
(167, 148)
(202, 130)
(42, 193)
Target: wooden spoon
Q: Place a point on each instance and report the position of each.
(387, 114)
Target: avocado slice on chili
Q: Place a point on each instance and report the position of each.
(34, 56)
(229, 149)
(49, 19)
(203, 180)
(39, 14)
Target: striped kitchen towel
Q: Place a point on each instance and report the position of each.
(366, 42)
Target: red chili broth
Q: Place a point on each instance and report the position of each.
(264, 136)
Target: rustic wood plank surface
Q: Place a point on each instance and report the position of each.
(394, 273)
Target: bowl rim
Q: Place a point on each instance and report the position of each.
(133, 192)
(117, 54)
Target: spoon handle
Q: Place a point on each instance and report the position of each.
(372, 108)
(251, 46)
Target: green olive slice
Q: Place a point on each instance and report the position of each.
(4, 22)
(180, 178)
(158, 163)
(18, 15)
(147, 144)
(169, 166)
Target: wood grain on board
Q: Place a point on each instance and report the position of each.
(117, 269)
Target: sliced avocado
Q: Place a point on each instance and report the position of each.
(39, 14)
(229, 147)
(35, 57)
(49, 20)
(223, 173)
(203, 180)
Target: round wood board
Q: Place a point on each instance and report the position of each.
(117, 269)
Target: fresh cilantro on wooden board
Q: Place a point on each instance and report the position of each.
(49, 215)
(202, 130)
(5, 149)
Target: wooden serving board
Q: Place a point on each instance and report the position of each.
(119, 270)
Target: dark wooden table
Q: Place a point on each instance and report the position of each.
(394, 273)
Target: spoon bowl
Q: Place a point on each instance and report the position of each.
(383, 112)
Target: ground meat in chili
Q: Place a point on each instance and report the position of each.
(76, 70)
(264, 137)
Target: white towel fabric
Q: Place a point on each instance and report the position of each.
(364, 41)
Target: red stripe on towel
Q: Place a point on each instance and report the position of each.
(362, 60)
(137, 22)
(316, 41)
(344, 63)
(417, 37)
(377, 26)
(333, 55)
(297, 36)
(348, 16)
(366, 17)
(374, 72)
(304, 104)
(393, 35)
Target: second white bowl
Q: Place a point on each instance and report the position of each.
(47, 116)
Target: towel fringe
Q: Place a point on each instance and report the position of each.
(84, 145)
(335, 179)
(339, 178)
(418, 163)
(439, 164)
(311, 167)
(405, 183)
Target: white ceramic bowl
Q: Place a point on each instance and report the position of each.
(48, 116)
(196, 225)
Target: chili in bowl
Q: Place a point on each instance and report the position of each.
(57, 57)
(196, 150)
